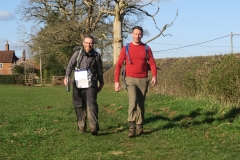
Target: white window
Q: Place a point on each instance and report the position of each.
(1, 65)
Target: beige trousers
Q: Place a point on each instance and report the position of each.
(137, 90)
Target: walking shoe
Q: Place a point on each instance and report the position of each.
(81, 126)
(131, 131)
(131, 134)
(139, 129)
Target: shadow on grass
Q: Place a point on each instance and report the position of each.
(187, 120)
(113, 129)
(195, 117)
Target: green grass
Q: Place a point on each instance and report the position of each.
(40, 123)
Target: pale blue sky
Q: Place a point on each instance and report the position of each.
(198, 21)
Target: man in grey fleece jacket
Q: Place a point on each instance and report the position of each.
(85, 99)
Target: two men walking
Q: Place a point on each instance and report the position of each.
(138, 58)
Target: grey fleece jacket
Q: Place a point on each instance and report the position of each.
(88, 60)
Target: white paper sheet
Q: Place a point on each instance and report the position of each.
(81, 79)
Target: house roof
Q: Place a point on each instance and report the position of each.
(8, 56)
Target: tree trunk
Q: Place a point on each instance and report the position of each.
(117, 31)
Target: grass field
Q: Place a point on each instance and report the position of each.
(40, 123)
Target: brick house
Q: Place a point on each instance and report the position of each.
(7, 59)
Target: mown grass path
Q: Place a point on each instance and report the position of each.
(40, 123)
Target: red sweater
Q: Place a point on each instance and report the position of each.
(138, 68)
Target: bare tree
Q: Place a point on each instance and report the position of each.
(63, 23)
(119, 9)
(60, 25)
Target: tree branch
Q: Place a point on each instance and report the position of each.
(163, 29)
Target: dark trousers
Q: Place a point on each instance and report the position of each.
(85, 103)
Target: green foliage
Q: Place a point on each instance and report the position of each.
(18, 69)
(223, 81)
(55, 67)
(11, 79)
(40, 123)
(215, 77)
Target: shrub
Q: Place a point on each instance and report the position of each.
(210, 76)
(11, 79)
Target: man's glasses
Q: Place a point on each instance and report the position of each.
(88, 43)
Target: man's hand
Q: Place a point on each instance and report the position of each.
(117, 87)
(154, 81)
(65, 81)
(100, 87)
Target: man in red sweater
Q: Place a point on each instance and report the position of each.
(136, 78)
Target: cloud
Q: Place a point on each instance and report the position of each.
(6, 16)
(13, 45)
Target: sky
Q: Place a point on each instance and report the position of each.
(202, 28)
